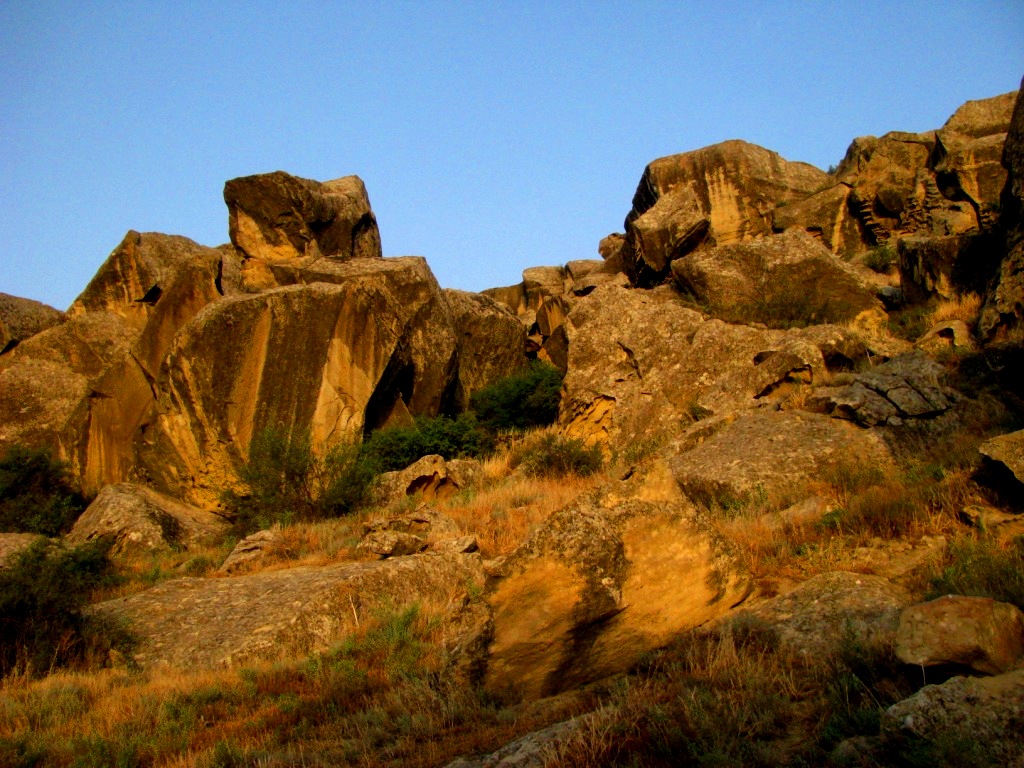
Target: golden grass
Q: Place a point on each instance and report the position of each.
(966, 307)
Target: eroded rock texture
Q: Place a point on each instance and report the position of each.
(21, 318)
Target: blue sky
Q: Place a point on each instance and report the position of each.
(492, 136)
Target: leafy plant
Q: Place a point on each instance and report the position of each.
(398, 447)
(36, 493)
(43, 595)
(528, 398)
(286, 481)
(553, 455)
(880, 259)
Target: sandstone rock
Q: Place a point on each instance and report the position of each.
(733, 186)
(139, 519)
(458, 545)
(194, 623)
(301, 359)
(951, 336)
(928, 264)
(1007, 450)
(1002, 525)
(601, 582)
(491, 342)
(578, 269)
(641, 366)
(411, 533)
(825, 215)
(21, 318)
(978, 632)
(13, 544)
(906, 387)
(1003, 314)
(829, 611)
(978, 719)
(530, 751)
(905, 561)
(782, 281)
(771, 453)
(276, 217)
(253, 549)
(431, 476)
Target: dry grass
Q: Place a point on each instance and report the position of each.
(966, 307)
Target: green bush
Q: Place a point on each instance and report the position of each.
(881, 259)
(286, 481)
(554, 455)
(981, 568)
(398, 447)
(43, 595)
(528, 398)
(36, 494)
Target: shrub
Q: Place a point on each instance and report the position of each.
(398, 447)
(528, 398)
(36, 494)
(43, 595)
(554, 455)
(286, 481)
(981, 568)
(880, 259)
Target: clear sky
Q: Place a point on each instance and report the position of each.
(492, 136)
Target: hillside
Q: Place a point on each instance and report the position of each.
(746, 490)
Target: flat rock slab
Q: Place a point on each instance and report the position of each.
(198, 623)
(1007, 450)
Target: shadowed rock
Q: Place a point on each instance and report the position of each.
(22, 318)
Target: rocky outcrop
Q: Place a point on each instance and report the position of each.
(1002, 317)
(722, 194)
(782, 281)
(642, 367)
(194, 623)
(602, 582)
(771, 454)
(304, 361)
(928, 265)
(491, 342)
(253, 550)
(138, 519)
(974, 721)
(830, 611)
(976, 632)
(22, 318)
(406, 534)
(1008, 451)
(279, 218)
(431, 476)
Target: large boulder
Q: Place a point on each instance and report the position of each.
(977, 632)
(1008, 451)
(21, 318)
(1003, 314)
(491, 341)
(366, 342)
(966, 720)
(782, 281)
(138, 519)
(276, 217)
(771, 454)
(724, 193)
(611, 577)
(431, 476)
(642, 367)
(194, 623)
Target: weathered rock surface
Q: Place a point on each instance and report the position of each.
(277, 217)
(407, 534)
(724, 193)
(431, 476)
(981, 719)
(491, 341)
(139, 519)
(928, 265)
(1004, 526)
(252, 550)
(782, 281)
(951, 336)
(194, 623)
(641, 366)
(305, 360)
(21, 318)
(906, 387)
(1007, 450)
(771, 453)
(610, 577)
(828, 611)
(1003, 314)
(977, 632)
(534, 750)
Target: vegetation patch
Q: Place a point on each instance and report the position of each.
(552, 455)
(396, 448)
(980, 567)
(526, 399)
(36, 493)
